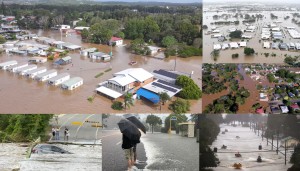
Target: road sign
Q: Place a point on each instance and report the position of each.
(173, 118)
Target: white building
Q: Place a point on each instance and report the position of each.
(14, 68)
(267, 45)
(87, 52)
(59, 79)
(37, 60)
(118, 41)
(7, 64)
(33, 73)
(46, 75)
(72, 83)
(24, 70)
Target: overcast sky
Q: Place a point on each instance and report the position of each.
(252, 1)
(173, 1)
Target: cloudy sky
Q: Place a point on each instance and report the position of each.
(174, 1)
(261, 1)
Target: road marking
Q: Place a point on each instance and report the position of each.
(67, 121)
(119, 143)
(82, 125)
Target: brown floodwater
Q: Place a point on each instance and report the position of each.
(249, 84)
(226, 55)
(20, 95)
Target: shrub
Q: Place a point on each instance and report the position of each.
(117, 105)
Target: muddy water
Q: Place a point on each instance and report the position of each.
(249, 84)
(225, 55)
(19, 95)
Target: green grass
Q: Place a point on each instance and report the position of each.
(99, 75)
(108, 70)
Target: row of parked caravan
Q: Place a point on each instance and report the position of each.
(42, 74)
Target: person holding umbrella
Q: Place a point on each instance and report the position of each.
(131, 135)
(140, 126)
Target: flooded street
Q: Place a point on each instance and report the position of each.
(28, 96)
(247, 146)
(13, 156)
(225, 56)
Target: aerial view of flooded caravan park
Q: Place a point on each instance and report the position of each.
(66, 67)
(250, 32)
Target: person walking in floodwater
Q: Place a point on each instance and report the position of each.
(57, 133)
(127, 146)
(53, 133)
(65, 133)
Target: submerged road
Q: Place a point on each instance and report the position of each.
(83, 128)
(247, 146)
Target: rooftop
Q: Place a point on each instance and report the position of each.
(72, 81)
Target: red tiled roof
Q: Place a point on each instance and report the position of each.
(115, 39)
(260, 111)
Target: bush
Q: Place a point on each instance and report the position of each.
(180, 106)
(117, 105)
(190, 89)
(236, 55)
(236, 34)
(249, 51)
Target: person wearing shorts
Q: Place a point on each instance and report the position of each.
(128, 150)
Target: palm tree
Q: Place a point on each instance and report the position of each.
(128, 100)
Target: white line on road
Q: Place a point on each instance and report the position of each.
(82, 124)
(119, 143)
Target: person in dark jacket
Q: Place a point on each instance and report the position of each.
(127, 146)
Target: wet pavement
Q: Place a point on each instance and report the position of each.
(247, 146)
(28, 96)
(156, 151)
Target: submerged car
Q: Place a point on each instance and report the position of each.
(48, 149)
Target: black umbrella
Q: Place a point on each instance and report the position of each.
(129, 130)
(136, 122)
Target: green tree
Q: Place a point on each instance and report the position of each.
(180, 106)
(85, 34)
(174, 123)
(190, 89)
(153, 120)
(128, 100)
(168, 41)
(100, 34)
(164, 97)
(249, 51)
(120, 34)
(2, 39)
(236, 34)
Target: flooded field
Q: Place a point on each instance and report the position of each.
(284, 20)
(28, 96)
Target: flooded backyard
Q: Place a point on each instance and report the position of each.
(255, 42)
(23, 95)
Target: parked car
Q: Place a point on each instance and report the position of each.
(48, 149)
